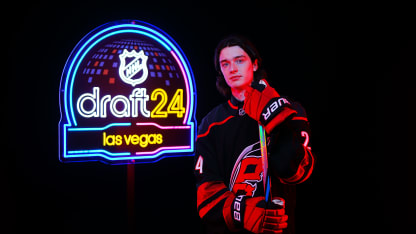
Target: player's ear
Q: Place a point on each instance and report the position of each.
(255, 65)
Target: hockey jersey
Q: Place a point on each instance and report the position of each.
(228, 160)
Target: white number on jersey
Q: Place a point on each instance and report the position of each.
(306, 135)
(199, 164)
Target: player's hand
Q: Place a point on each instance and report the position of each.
(254, 215)
(275, 219)
(264, 104)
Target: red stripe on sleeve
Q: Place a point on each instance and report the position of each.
(207, 191)
(300, 118)
(282, 116)
(205, 209)
(304, 170)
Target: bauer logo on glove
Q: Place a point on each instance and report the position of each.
(255, 215)
(264, 104)
(272, 108)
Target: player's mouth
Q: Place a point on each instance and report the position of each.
(235, 78)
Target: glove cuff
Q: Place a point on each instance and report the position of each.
(275, 112)
(234, 212)
(238, 208)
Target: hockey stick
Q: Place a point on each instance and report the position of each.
(266, 177)
(263, 147)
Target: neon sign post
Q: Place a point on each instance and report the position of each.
(127, 94)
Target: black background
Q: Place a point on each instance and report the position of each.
(350, 64)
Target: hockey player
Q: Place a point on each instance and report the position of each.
(228, 166)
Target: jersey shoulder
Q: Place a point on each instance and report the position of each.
(301, 112)
(218, 115)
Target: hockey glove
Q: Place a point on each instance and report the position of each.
(264, 104)
(251, 214)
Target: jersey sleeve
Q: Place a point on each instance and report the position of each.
(212, 192)
(290, 156)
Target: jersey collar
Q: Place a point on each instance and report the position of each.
(236, 106)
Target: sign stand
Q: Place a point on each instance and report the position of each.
(130, 197)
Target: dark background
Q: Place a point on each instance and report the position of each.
(351, 65)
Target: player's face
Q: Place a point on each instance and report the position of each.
(236, 67)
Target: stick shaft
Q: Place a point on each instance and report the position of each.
(263, 148)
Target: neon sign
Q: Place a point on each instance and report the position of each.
(127, 94)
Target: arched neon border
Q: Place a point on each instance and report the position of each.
(71, 67)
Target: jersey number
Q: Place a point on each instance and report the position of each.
(306, 135)
(199, 164)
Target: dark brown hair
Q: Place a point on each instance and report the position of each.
(249, 48)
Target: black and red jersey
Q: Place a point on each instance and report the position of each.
(228, 160)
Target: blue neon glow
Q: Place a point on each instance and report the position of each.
(101, 128)
(156, 37)
(82, 49)
(97, 152)
(72, 78)
(119, 156)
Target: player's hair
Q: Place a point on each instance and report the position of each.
(249, 48)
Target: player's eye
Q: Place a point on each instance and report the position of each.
(224, 64)
(239, 60)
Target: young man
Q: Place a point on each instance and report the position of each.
(228, 165)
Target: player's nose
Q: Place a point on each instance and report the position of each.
(233, 67)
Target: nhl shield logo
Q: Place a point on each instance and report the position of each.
(133, 69)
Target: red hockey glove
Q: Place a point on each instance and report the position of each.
(264, 104)
(251, 214)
